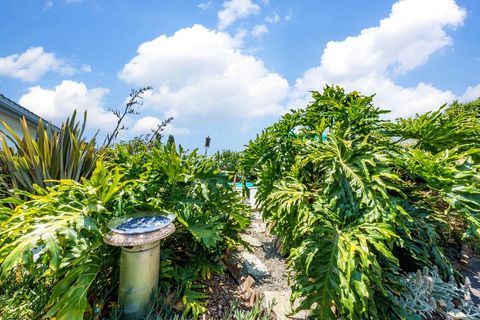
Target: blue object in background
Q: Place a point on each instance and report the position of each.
(239, 185)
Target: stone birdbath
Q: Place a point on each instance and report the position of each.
(139, 236)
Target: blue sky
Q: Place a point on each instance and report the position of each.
(229, 68)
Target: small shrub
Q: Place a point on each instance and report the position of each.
(257, 312)
(428, 295)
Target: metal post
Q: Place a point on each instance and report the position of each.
(139, 269)
(207, 144)
(139, 236)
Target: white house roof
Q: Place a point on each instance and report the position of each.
(15, 110)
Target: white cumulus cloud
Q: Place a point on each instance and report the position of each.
(205, 5)
(199, 73)
(146, 124)
(273, 19)
(234, 10)
(369, 61)
(259, 30)
(34, 63)
(472, 93)
(59, 103)
(245, 127)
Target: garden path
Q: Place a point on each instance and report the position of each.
(272, 280)
(268, 267)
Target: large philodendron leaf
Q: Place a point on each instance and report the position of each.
(203, 227)
(346, 269)
(435, 131)
(454, 176)
(320, 261)
(56, 236)
(36, 228)
(69, 297)
(59, 238)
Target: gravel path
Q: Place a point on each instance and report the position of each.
(266, 252)
(275, 286)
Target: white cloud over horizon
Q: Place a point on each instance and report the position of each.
(205, 5)
(32, 64)
(470, 94)
(369, 61)
(146, 124)
(209, 78)
(202, 74)
(272, 19)
(58, 103)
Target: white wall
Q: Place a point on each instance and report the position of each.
(14, 123)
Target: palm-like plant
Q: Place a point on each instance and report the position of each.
(50, 155)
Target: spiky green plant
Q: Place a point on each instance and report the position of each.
(50, 155)
(259, 311)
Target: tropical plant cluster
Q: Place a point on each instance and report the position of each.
(229, 162)
(360, 202)
(210, 213)
(53, 261)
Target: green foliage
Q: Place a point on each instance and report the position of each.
(469, 110)
(357, 206)
(159, 309)
(55, 234)
(210, 214)
(436, 131)
(23, 296)
(3, 186)
(64, 225)
(50, 155)
(229, 162)
(257, 312)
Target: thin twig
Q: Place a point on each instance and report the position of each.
(135, 100)
(160, 128)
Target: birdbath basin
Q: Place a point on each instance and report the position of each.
(139, 236)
